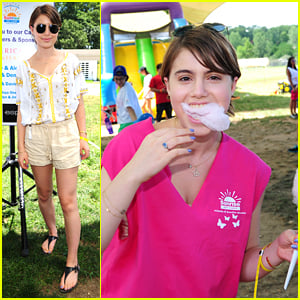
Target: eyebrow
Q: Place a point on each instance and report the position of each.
(183, 71)
(191, 72)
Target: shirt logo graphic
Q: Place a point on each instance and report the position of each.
(230, 201)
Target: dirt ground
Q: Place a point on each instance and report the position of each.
(270, 139)
(91, 289)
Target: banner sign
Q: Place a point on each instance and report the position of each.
(17, 44)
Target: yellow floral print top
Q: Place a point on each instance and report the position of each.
(44, 99)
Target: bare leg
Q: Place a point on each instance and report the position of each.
(144, 106)
(67, 193)
(148, 101)
(43, 180)
(294, 107)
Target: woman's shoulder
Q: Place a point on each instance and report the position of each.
(70, 55)
(133, 134)
(22, 67)
(240, 153)
(165, 124)
(123, 146)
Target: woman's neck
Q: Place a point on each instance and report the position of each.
(44, 53)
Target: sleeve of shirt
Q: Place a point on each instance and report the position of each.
(19, 85)
(130, 97)
(152, 83)
(80, 84)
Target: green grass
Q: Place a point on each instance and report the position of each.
(38, 275)
(257, 89)
(250, 101)
(261, 80)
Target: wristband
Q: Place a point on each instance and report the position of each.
(83, 138)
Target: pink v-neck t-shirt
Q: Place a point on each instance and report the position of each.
(174, 250)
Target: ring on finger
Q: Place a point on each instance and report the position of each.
(165, 145)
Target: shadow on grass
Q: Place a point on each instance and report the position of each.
(38, 275)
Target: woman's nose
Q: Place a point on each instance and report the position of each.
(199, 89)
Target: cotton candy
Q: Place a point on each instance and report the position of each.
(211, 115)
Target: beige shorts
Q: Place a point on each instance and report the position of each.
(53, 143)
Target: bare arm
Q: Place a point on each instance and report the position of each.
(115, 198)
(288, 73)
(131, 113)
(150, 158)
(162, 91)
(276, 252)
(81, 124)
(22, 154)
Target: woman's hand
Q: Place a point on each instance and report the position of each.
(23, 159)
(158, 149)
(84, 149)
(285, 241)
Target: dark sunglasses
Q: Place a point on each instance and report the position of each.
(180, 31)
(41, 28)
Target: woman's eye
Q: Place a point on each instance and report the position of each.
(214, 77)
(184, 78)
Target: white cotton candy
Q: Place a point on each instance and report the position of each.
(211, 115)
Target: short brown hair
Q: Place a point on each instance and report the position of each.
(47, 10)
(215, 52)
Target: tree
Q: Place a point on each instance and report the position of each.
(235, 39)
(80, 25)
(72, 36)
(259, 41)
(293, 36)
(245, 51)
(265, 42)
(284, 49)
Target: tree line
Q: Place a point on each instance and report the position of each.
(255, 41)
(80, 25)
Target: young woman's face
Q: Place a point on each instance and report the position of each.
(45, 39)
(190, 82)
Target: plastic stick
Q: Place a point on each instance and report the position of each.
(291, 268)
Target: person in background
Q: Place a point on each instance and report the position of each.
(181, 199)
(52, 131)
(292, 74)
(128, 108)
(162, 99)
(147, 94)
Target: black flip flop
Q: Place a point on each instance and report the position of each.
(51, 238)
(68, 270)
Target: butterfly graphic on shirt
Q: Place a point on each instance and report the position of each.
(220, 224)
(235, 222)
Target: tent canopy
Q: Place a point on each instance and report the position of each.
(193, 12)
(197, 12)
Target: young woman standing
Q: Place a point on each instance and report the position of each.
(52, 131)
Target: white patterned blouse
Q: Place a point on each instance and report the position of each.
(52, 99)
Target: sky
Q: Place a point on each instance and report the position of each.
(269, 14)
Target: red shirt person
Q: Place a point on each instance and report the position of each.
(162, 99)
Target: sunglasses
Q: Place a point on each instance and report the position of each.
(41, 28)
(218, 27)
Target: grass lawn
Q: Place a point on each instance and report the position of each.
(256, 89)
(38, 275)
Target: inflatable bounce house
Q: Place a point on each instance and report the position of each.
(136, 45)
